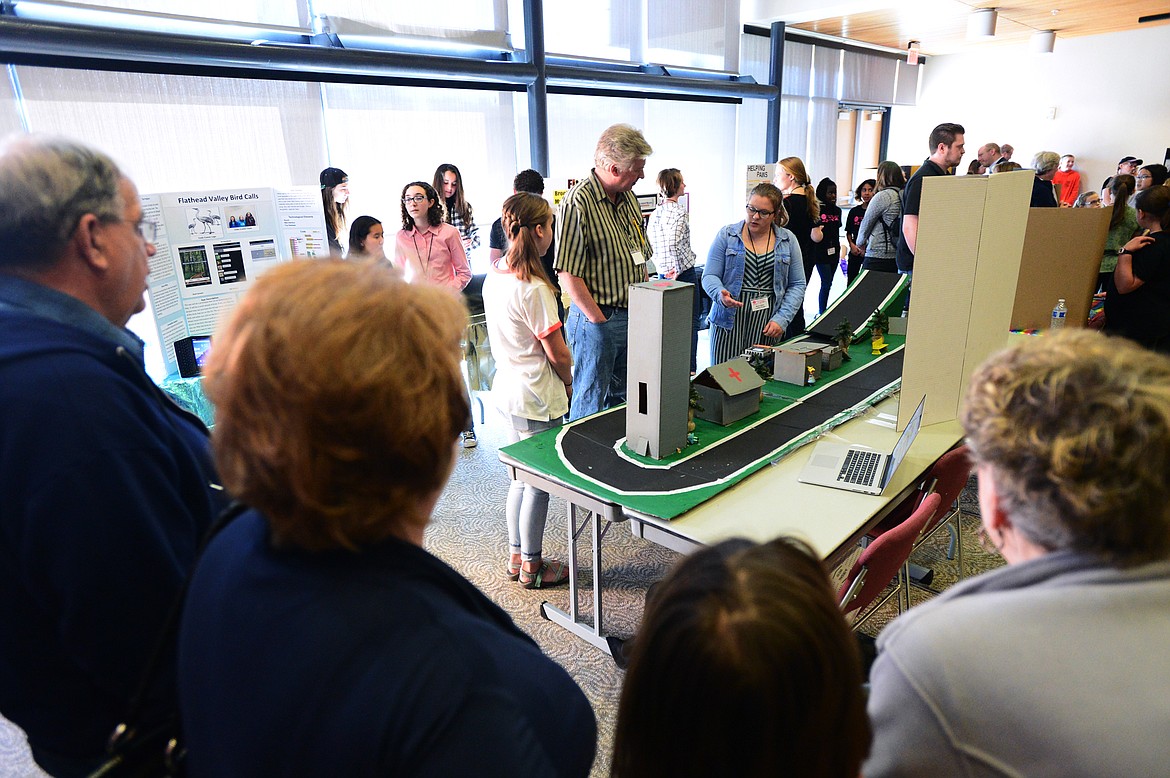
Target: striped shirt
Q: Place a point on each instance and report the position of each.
(596, 239)
(670, 237)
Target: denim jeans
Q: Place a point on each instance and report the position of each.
(694, 276)
(599, 360)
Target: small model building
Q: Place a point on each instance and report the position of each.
(760, 358)
(792, 364)
(659, 366)
(831, 358)
(730, 391)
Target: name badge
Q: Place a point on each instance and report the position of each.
(639, 260)
(831, 251)
(759, 304)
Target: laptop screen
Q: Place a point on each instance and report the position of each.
(904, 442)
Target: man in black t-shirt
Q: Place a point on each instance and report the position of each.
(946, 151)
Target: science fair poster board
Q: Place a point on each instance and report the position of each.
(762, 173)
(970, 246)
(211, 246)
(1062, 256)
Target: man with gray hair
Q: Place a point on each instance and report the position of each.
(1045, 164)
(602, 250)
(106, 487)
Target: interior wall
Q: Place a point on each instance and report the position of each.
(1106, 90)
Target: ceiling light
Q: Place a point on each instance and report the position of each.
(981, 23)
(1043, 41)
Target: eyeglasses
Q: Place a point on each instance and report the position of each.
(146, 229)
(414, 199)
(1142, 178)
(758, 212)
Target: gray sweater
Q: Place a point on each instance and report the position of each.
(879, 229)
(1059, 666)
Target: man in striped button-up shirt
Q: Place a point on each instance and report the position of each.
(601, 251)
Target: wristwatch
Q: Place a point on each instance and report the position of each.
(1124, 252)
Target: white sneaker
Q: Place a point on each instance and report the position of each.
(469, 440)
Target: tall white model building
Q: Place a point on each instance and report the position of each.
(659, 364)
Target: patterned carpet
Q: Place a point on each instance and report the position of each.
(469, 533)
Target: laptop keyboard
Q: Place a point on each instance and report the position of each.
(859, 467)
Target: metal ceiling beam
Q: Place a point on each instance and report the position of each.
(50, 44)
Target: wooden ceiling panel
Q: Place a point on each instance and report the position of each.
(941, 26)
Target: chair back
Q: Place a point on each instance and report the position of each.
(947, 479)
(885, 555)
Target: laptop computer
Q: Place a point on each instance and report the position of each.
(857, 468)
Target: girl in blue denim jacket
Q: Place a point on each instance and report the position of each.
(754, 276)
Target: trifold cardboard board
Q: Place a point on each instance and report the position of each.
(970, 244)
(1062, 257)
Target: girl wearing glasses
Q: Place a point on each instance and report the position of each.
(1147, 176)
(426, 249)
(429, 251)
(754, 276)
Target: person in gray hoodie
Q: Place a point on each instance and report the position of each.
(1054, 665)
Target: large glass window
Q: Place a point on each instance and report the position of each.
(277, 12)
(752, 115)
(184, 132)
(173, 133)
(693, 33)
(697, 138)
(448, 14)
(688, 33)
(868, 78)
(386, 137)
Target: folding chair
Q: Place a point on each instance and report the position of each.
(883, 560)
(947, 478)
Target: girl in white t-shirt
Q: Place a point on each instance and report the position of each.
(533, 372)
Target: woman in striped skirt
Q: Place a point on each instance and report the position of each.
(754, 276)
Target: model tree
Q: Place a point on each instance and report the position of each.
(879, 325)
(844, 333)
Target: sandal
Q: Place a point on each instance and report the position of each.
(513, 573)
(550, 573)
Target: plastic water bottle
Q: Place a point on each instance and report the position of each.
(1058, 314)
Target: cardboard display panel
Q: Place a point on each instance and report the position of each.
(970, 240)
(1062, 257)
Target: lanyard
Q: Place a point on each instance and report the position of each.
(430, 241)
